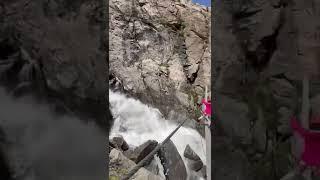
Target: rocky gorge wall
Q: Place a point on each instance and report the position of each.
(51, 50)
(160, 52)
(258, 86)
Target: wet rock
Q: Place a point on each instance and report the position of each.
(119, 143)
(111, 145)
(174, 168)
(153, 167)
(193, 160)
(122, 128)
(141, 151)
(120, 166)
(190, 154)
(195, 165)
(203, 171)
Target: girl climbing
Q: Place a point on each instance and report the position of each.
(307, 151)
(310, 156)
(205, 118)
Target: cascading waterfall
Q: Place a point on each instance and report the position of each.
(137, 123)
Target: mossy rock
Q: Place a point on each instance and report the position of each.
(112, 177)
(118, 172)
(122, 171)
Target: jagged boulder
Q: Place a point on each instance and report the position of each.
(119, 165)
(194, 161)
(190, 154)
(174, 167)
(141, 151)
(119, 143)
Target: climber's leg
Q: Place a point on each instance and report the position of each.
(200, 118)
(206, 121)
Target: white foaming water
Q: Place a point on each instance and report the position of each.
(138, 123)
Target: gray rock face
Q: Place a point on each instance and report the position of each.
(160, 51)
(273, 43)
(174, 168)
(229, 163)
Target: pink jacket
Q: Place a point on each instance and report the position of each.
(311, 152)
(206, 110)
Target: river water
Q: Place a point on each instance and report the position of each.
(137, 123)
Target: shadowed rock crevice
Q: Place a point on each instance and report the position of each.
(258, 84)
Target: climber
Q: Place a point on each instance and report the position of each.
(310, 157)
(205, 118)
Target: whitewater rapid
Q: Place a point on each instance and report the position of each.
(138, 123)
